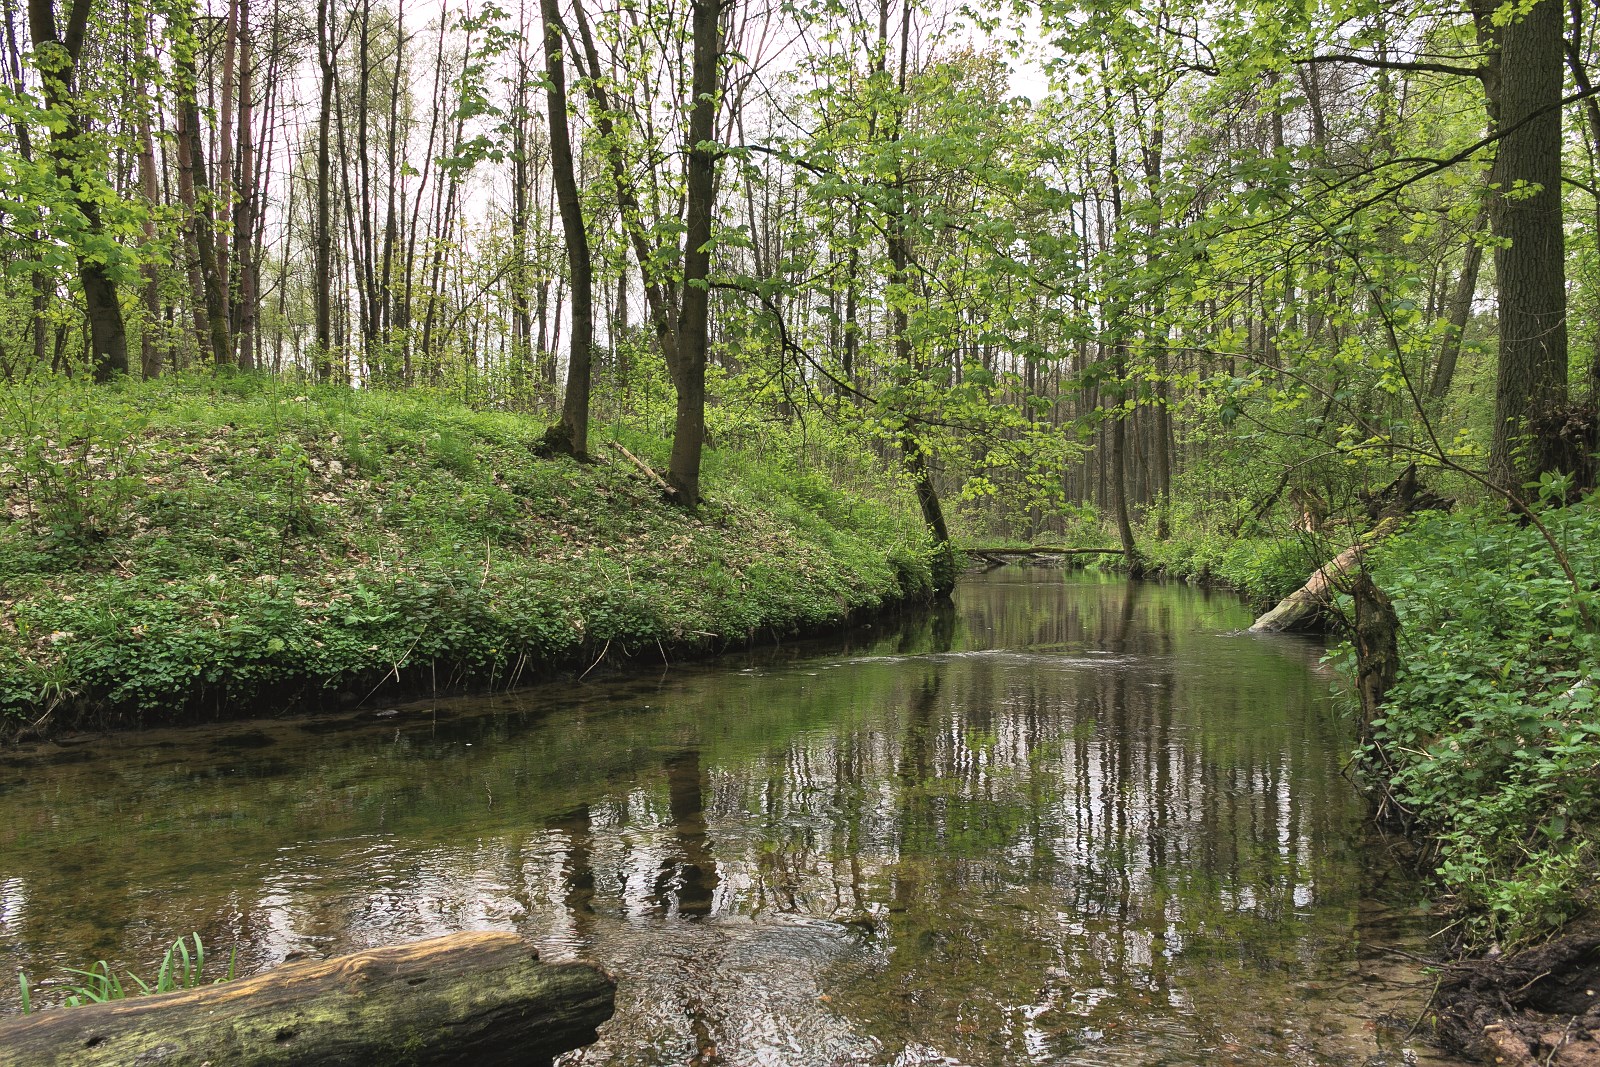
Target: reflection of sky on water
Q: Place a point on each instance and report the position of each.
(1066, 822)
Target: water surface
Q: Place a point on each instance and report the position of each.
(1070, 820)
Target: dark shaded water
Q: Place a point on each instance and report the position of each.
(1069, 821)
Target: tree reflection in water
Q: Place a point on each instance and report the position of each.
(1067, 820)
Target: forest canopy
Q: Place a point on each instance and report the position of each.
(1222, 252)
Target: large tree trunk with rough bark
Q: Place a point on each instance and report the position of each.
(482, 998)
(1523, 76)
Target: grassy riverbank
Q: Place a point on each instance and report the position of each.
(194, 547)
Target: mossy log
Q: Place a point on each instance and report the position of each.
(472, 998)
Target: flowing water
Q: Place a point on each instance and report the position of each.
(1070, 820)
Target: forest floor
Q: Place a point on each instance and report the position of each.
(198, 548)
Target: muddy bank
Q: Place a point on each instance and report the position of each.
(1535, 1007)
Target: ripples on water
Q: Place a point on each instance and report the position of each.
(1068, 821)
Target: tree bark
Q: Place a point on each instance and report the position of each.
(571, 434)
(1459, 315)
(42, 284)
(1376, 632)
(322, 256)
(694, 313)
(57, 56)
(243, 303)
(150, 354)
(482, 998)
(204, 229)
(1523, 76)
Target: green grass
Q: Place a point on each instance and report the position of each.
(182, 967)
(196, 546)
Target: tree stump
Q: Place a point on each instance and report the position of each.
(479, 998)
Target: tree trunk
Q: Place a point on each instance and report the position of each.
(224, 182)
(243, 303)
(1118, 462)
(689, 368)
(42, 283)
(571, 434)
(1460, 314)
(482, 998)
(1523, 78)
(322, 266)
(149, 185)
(204, 230)
(57, 57)
(1377, 648)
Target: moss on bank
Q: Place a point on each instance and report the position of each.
(196, 547)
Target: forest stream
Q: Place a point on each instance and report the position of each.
(1067, 820)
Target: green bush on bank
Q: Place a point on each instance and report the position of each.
(1264, 569)
(191, 544)
(1491, 738)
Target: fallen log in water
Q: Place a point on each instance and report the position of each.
(1306, 607)
(996, 557)
(472, 998)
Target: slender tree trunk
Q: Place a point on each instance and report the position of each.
(225, 189)
(1116, 469)
(150, 354)
(689, 368)
(391, 219)
(205, 235)
(322, 256)
(243, 304)
(200, 333)
(39, 323)
(1460, 313)
(571, 434)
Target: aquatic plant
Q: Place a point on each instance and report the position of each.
(182, 967)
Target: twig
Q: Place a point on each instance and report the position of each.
(1437, 982)
(598, 658)
(642, 465)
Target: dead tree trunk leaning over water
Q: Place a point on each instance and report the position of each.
(1306, 608)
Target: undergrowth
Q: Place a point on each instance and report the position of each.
(197, 546)
(1490, 741)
